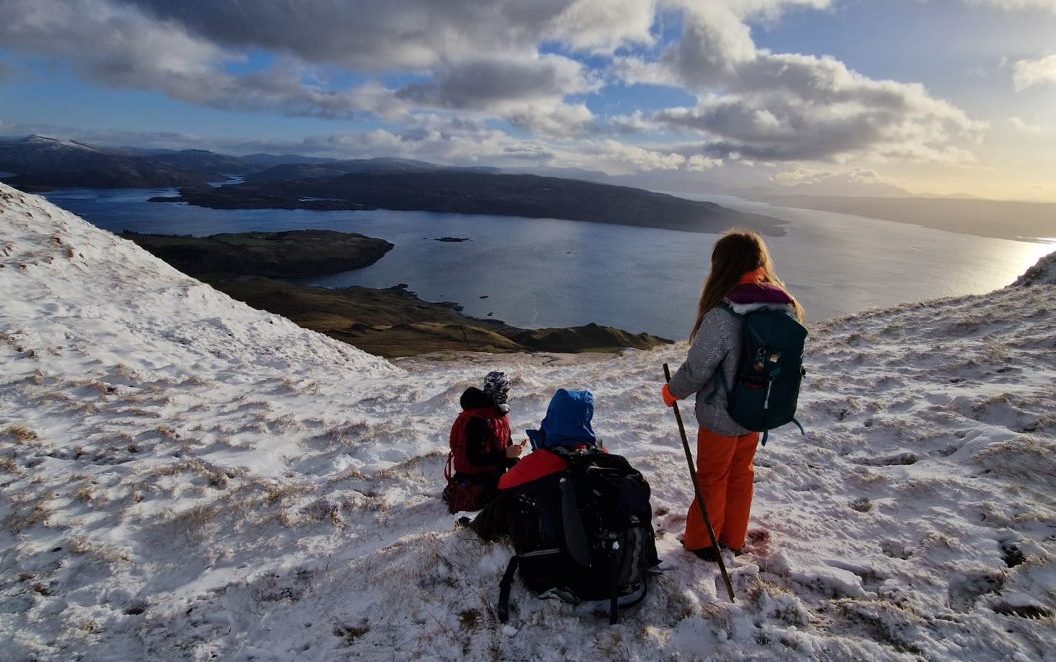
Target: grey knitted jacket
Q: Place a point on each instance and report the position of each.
(717, 343)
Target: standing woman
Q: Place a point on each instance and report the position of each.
(742, 276)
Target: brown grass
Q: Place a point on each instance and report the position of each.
(21, 434)
(216, 476)
(82, 546)
(192, 522)
(27, 517)
(275, 493)
(167, 432)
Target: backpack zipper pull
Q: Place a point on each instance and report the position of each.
(766, 401)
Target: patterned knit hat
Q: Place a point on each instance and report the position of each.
(496, 387)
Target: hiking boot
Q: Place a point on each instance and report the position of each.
(462, 522)
(709, 554)
(736, 552)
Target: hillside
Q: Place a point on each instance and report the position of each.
(411, 187)
(39, 162)
(183, 477)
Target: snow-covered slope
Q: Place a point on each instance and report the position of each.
(183, 477)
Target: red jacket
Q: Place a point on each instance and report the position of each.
(492, 436)
(540, 463)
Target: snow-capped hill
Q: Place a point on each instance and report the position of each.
(185, 478)
(86, 281)
(48, 142)
(1042, 273)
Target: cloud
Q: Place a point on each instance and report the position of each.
(854, 181)
(1026, 127)
(1017, 4)
(185, 50)
(602, 26)
(785, 107)
(814, 176)
(527, 92)
(382, 35)
(1028, 73)
(425, 65)
(124, 49)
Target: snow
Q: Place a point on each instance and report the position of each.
(183, 477)
(57, 143)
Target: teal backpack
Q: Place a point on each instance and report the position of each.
(765, 390)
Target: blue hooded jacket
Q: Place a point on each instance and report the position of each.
(567, 421)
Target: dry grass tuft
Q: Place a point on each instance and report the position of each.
(276, 493)
(215, 475)
(348, 474)
(193, 521)
(167, 433)
(24, 517)
(82, 546)
(994, 350)
(85, 494)
(21, 434)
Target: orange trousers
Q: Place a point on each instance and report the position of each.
(724, 475)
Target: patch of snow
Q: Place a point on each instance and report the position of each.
(184, 477)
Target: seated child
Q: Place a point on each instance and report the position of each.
(567, 423)
(481, 448)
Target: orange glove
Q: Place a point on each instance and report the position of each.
(669, 397)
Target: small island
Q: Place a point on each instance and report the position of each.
(290, 254)
(389, 322)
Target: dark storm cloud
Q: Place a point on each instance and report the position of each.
(371, 34)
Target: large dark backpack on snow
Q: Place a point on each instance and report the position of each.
(583, 534)
(766, 388)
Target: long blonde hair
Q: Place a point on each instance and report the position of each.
(737, 253)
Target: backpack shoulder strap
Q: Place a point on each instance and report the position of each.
(717, 377)
(562, 452)
(728, 308)
(503, 610)
(575, 533)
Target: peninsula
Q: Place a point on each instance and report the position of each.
(390, 322)
(471, 191)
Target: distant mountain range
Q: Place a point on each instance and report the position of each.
(38, 162)
(295, 182)
(41, 163)
(288, 181)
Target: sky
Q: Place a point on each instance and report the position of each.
(942, 97)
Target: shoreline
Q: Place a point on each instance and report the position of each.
(391, 322)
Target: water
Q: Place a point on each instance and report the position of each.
(545, 272)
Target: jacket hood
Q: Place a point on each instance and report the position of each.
(474, 398)
(759, 292)
(567, 421)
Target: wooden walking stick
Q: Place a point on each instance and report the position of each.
(696, 492)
